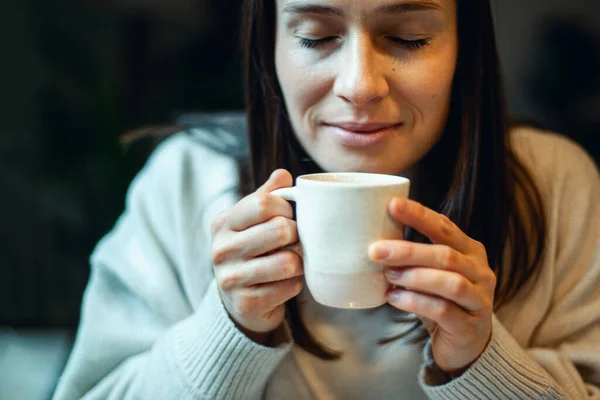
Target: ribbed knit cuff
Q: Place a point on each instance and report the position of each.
(504, 371)
(217, 360)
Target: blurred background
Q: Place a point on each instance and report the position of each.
(77, 74)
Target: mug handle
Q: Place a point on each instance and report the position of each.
(290, 194)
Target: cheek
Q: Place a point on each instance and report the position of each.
(303, 82)
(428, 87)
(429, 90)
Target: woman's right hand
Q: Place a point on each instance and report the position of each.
(254, 274)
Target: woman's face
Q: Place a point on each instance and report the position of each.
(367, 83)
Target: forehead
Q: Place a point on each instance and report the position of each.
(343, 8)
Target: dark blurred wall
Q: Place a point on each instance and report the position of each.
(75, 76)
(78, 74)
(550, 51)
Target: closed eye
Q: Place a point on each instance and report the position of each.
(409, 44)
(314, 43)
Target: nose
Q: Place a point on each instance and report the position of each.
(361, 77)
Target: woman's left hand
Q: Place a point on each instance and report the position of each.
(448, 284)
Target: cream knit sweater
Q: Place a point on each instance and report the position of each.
(153, 325)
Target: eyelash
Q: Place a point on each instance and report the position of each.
(407, 44)
(314, 43)
(410, 44)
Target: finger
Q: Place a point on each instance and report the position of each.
(257, 209)
(262, 299)
(280, 178)
(255, 241)
(399, 253)
(437, 227)
(449, 316)
(295, 248)
(264, 238)
(447, 285)
(261, 206)
(275, 267)
(218, 222)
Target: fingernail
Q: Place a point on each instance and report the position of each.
(393, 274)
(394, 296)
(379, 252)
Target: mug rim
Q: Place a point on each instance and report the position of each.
(378, 180)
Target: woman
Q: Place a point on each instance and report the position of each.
(192, 296)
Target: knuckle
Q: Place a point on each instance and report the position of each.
(263, 205)
(218, 222)
(493, 281)
(281, 230)
(297, 287)
(449, 257)
(291, 258)
(229, 281)
(441, 309)
(490, 279)
(488, 304)
(479, 247)
(286, 270)
(219, 254)
(287, 258)
(447, 226)
(291, 288)
(290, 263)
(458, 287)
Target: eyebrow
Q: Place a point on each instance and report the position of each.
(407, 6)
(298, 7)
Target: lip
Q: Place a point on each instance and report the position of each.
(361, 135)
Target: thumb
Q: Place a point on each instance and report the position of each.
(279, 179)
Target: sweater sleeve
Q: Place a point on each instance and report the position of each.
(153, 325)
(561, 357)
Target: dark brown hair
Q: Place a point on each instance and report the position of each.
(474, 177)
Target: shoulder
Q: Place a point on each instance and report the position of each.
(555, 161)
(185, 158)
(569, 184)
(184, 183)
(183, 177)
(190, 167)
(162, 232)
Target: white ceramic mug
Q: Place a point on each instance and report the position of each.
(338, 216)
